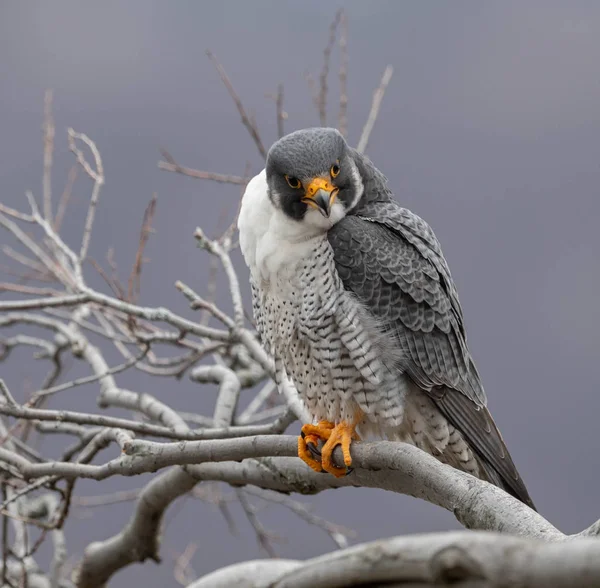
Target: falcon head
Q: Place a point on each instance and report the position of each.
(312, 177)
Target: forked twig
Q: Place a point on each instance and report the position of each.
(97, 175)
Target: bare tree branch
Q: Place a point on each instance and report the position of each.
(343, 116)
(246, 120)
(21, 412)
(323, 88)
(281, 115)
(430, 560)
(65, 198)
(374, 112)
(133, 290)
(172, 166)
(48, 153)
(97, 175)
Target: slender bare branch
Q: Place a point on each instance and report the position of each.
(246, 120)
(172, 166)
(133, 290)
(343, 115)
(338, 533)
(65, 198)
(221, 252)
(24, 289)
(312, 88)
(87, 379)
(97, 175)
(152, 314)
(375, 106)
(263, 536)
(197, 302)
(15, 213)
(49, 131)
(22, 412)
(47, 263)
(281, 114)
(323, 78)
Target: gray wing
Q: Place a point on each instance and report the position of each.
(391, 260)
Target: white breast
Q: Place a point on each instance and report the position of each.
(270, 242)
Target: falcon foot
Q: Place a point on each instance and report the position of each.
(342, 434)
(308, 448)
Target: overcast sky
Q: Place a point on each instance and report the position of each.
(490, 130)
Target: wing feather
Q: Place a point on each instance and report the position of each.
(391, 260)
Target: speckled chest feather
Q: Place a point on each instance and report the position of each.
(340, 361)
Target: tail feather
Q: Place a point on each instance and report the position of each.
(475, 422)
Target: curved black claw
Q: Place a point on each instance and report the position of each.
(314, 450)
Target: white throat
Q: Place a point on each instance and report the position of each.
(269, 240)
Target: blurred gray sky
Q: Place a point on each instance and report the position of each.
(490, 130)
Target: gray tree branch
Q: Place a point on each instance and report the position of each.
(428, 561)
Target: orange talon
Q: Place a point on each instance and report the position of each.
(305, 455)
(342, 434)
(313, 434)
(322, 430)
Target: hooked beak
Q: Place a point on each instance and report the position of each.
(320, 194)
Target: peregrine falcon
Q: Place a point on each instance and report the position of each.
(354, 300)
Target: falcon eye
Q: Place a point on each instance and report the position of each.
(293, 182)
(335, 170)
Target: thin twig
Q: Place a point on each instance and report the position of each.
(256, 403)
(88, 379)
(97, 175)
(338, 533)
(65, 198)
(46, 262)
(325, 71)
(21, 412)
(183, 572)
(262, 535)
(281, 115)
(106, 499)
(23, 289)
(133, 290)
(343, 116)
(221, 252)
(312, 88)
(246, 120)
(226, 238)
(157, 314)
(197, 302)
(374, 112)
(15, 213)
(48, 153)
(114, 285)
(172, 166)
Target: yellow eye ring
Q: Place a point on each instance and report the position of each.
(293, 182)
(335, 170)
